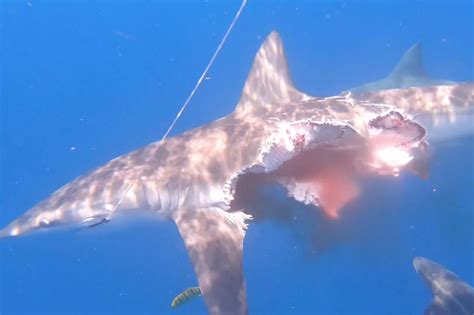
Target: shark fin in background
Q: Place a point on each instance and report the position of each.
(269, 82)
(409, 72)
(411, 64)
(214, 240)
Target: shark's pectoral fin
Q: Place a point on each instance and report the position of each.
(214, 240)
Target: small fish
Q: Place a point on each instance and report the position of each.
(185, 296)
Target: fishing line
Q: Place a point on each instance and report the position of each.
(203, 75)
(186, 103)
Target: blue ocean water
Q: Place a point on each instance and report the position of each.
(85, 81)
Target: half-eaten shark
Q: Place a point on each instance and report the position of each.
(314, 147)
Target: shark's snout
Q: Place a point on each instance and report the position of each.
(428, 270)
(39, 219)
(19, 226)
(418, 263)
(424, 268)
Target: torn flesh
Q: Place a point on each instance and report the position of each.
(324, 178)
(320, 164)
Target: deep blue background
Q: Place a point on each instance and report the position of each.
(107, 77)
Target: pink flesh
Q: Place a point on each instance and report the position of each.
(328, 175)
(334, 188)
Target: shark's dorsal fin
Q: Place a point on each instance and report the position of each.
(411, 64)
(269, 83)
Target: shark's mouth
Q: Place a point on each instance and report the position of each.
(320, 163)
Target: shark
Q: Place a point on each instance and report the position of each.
(452, 296)
(314, 148)
(409, 72)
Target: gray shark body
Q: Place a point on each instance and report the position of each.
(452, 296)
(314, 147)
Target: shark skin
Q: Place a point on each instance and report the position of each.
(452, 296)
(316, 148)
(409, 72)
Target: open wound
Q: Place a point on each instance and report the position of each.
(330, 189)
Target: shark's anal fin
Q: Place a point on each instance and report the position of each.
(214, 240)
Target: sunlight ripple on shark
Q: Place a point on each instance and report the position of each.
(314, 147)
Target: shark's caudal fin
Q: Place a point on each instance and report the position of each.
(269, 82)
(214, 239)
